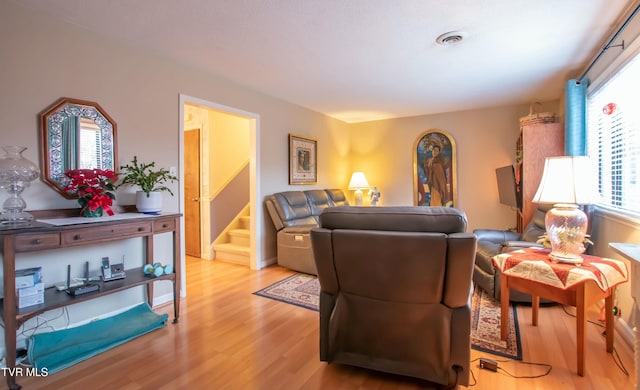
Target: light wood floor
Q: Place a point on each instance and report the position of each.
(229, 338)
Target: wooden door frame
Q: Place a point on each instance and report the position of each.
(256, 260)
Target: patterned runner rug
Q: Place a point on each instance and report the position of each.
(304, 290)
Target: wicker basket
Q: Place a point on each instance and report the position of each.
(535, 118)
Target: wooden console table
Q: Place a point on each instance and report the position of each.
(39, 236)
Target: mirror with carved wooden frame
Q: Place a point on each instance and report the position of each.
(75, 134)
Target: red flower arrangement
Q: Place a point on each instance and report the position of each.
(93, 188)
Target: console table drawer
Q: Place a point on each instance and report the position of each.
(36, 242)
(166, 225)
(105, 233)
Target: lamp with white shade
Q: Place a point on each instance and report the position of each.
(358, 183)
(566, 183)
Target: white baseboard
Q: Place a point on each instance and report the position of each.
(267, 262)
(625, 331)
(162, 299)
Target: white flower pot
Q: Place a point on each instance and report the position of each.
(151, 204)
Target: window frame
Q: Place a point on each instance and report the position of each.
(630, 53)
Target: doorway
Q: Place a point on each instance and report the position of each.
(194, 133)
(193, 238)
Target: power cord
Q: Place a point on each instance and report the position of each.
(43, 323)
(475, 381)
(564, 308)
(549, 367)
(493, 366)
(615, 355)
(457, 369)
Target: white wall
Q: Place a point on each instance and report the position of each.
(485, 140)
(229, 147)
(140, 90)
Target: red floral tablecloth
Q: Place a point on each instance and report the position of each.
(534, 264)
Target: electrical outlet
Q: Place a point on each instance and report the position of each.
(173, 171)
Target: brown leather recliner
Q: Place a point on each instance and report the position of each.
(395, 290)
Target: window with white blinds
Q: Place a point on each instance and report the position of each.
(613, 138)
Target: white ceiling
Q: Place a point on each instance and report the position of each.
(361, 60)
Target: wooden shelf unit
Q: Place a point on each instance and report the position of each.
(536, 142)
(39, 236)
(54, 299)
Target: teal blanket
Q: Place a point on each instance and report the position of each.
(60, 349)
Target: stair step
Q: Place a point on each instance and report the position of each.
(232, 253)
(245, 222)
(240, 237)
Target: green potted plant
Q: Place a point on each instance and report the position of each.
(150, 181)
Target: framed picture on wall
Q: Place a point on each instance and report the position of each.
(303, 167)
(434, 169)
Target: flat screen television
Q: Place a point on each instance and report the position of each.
(508, 186)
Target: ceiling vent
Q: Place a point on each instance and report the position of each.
(451, 38)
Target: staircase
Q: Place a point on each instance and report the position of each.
(235, 245)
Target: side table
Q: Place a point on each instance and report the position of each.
(532, 272)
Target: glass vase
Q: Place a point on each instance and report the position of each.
(566, 227)
(16, 174)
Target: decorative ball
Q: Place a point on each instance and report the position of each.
(609, 108)
(156, 265)
(158, 271)
(168, 269)
(148, 269)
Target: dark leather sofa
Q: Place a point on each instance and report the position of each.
(294, 214)
(493, 242)
(395, 290)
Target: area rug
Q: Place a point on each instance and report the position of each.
(304, 290)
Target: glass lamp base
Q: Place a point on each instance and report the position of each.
(566, 227)
(16, 218)
(566, 258)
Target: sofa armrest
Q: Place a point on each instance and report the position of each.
(459, 269)
(298, 229)
(509, 246)
(322, 246)
(275, 218)
(496, 236)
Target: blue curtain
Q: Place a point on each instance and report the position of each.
(575, 124)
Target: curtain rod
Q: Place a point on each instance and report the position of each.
(613, 38)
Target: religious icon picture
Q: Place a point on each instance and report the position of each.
(434, 169)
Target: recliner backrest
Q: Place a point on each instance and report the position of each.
(318, 201)
(536, 228)
(403, 219)
(337, 197)
(292, 208)
(297, 208)
(374, 251)
(430, 234)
